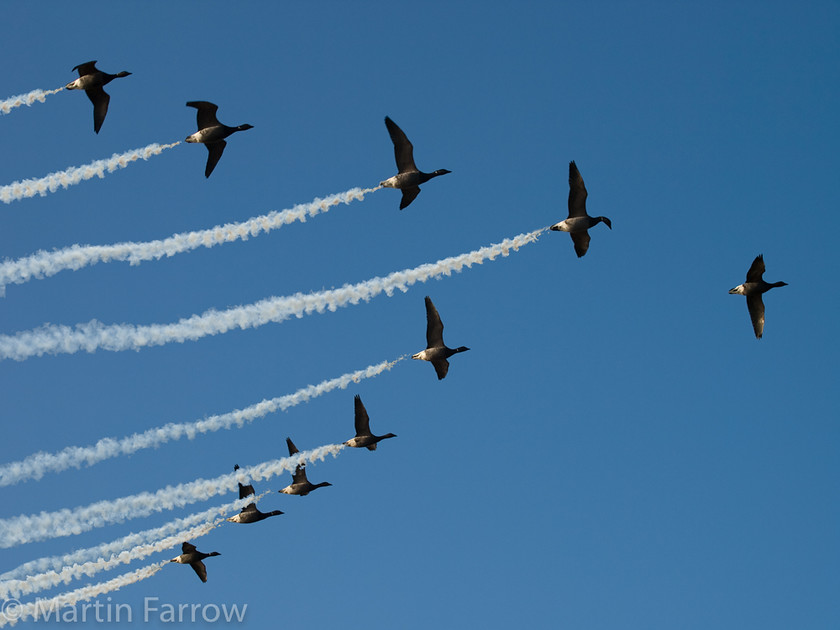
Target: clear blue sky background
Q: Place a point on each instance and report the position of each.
(617, 450)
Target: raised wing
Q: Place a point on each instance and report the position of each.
(434, 327)
(361, 418)
(187, 548)
(403, 149)
(299, 475)
(756, 271)
(206, 116)
(89, 67)
(577, 193)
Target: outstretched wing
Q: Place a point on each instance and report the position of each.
(434, 327)
(577, 193)
(200, 569)
(206, 116)
(756, 270)
(89, 67)
(408, 195)
(403, 149)
(581, 241)
(756, 307)
(100, 100)
(441, 367)
(215, 154)
(362, 420)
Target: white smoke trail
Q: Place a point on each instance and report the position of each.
(94, 334)
(79, 556)
(44, 264)
(75, 174)
(36, 465)
(52, 608)
(64, 574)
(29, 528)
(26, 99)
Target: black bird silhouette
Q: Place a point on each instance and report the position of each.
(753, 289)
(409, 177)
(191, 556)
(364, 438)
(300, 484)
(436, 351)
(92, 81)
(211, 132)
(578, 223)
(250, 514)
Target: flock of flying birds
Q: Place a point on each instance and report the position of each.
(211, 133)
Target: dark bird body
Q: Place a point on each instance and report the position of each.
(579, 222)
(436, 351)
(191, 556)
(409, 177)
(250, 514)
(753, 288)
(364, 438)
(92, 81)
(300, 484)
(211, 133)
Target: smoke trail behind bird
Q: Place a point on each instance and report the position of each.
(63, 574)
(56, 563)
(52, 608)
(30, 528)
(94, 335)
(44, 264)
(36, 465)
(28, 99)
(75, 174)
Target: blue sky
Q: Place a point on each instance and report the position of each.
(616, 450)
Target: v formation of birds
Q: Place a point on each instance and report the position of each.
(408, 179)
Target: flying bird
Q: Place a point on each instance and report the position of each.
(753, 288)
(211, 133)
(578, 223)
(91, 81)
(300, 484)
(244, 491)
(436, 351)
(409, 177)
(364, 438)
(191, 556)
(250, 514)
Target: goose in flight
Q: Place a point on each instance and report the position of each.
(578, 222)
(409, 177)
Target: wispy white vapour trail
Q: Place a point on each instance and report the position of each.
(53, 606)
(35, 466)
(75, 174)
(26, 99)
(44, 264)
(94, 335)
(56, 563)
(34, 583)
(29, 528)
